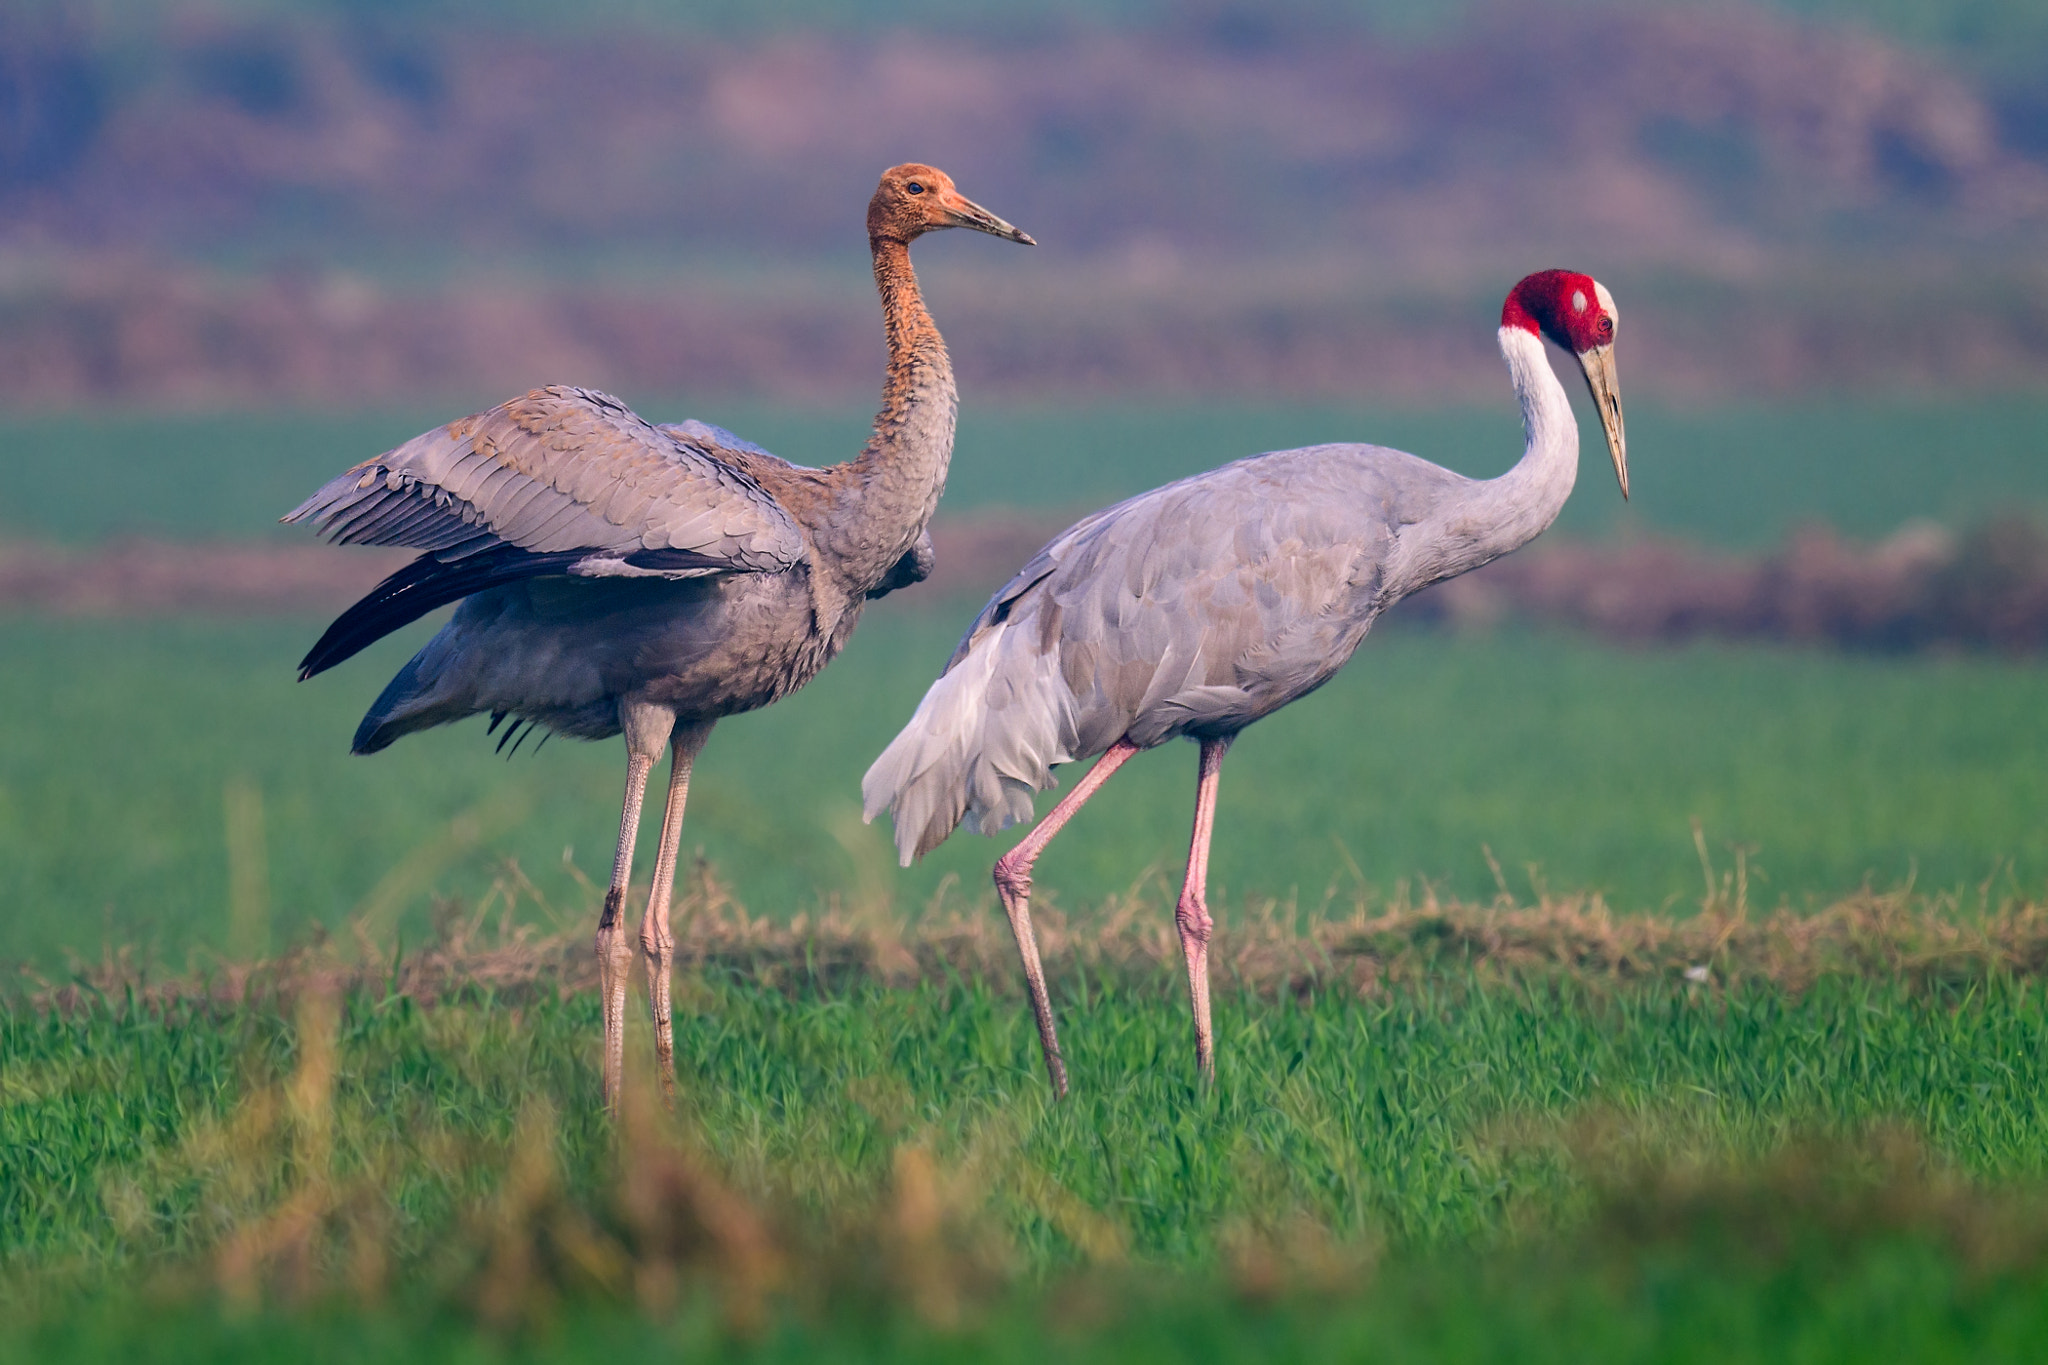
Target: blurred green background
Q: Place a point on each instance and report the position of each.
(246, 244)
(1580, 765)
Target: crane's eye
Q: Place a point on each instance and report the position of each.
(915, 187)
(1606, 327)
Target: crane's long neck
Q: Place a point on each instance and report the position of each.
(889, 492)
(1506, 513)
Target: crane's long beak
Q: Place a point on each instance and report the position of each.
(1598, 364)
(960, 211)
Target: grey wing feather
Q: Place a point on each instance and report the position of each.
(716, 439)
(1192, 609)
(1035, 571)
(562, 469)
(917, 562)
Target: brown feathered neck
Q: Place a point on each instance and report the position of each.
(887, 494)
(905, 319)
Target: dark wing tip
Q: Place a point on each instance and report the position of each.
(419, 588)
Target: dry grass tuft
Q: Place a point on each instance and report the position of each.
(1273, 948)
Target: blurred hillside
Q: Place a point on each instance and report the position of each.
(364, 201)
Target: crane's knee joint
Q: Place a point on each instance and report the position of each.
(1012, 879)
(1193, 919)
(612, 949)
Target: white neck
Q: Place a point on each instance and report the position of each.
(1503, 514)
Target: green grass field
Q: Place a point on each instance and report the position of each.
(1443, 1170)
(1533, 1165)
(1580, 766)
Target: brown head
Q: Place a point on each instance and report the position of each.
(1577, 313)
(914, 199)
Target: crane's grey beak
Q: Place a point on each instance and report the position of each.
(960, 211)
(1598, 364)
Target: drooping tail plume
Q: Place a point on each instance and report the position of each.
(982, 743)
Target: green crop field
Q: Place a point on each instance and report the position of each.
(1465, 1163)
(1581, 767)
(1444, 1170)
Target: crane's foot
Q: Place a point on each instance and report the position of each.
(1013, 884)
(660, 970)
(1055, 1065)
(614, 964)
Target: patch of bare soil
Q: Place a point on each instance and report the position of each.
(145, 577)
(1922, 588)
(97, 330)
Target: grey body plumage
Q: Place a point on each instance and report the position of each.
(1175, 612)
(660, 566)
(1200, 607)
(619, 577)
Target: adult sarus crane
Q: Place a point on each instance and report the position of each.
(1197, 608)
(621, 577)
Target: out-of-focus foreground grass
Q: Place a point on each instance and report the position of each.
(1542, 1168)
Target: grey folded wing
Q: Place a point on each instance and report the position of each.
(556, 470)
(558, 481)
(917, 562)
(1058, 551)
(717, 440)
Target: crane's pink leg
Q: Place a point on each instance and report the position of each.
(656, 942)
(1191, 915)
(1013, 884)
(646, 728)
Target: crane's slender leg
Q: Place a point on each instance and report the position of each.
(646, 728)
(1013, 884)
(1191, 915)
(656, 942)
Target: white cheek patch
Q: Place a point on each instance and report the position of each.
(1578, 300)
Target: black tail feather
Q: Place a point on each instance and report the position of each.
(417, 589)
(428, 582)
(523, 735)
(519, 725)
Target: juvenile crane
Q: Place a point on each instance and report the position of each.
(1197, 608)
(621, 577)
